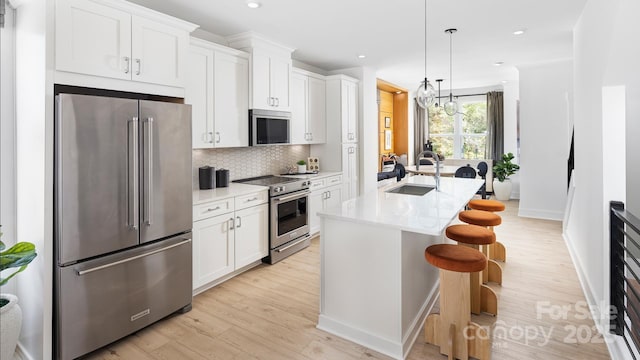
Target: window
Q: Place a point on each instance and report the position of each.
(463, 135)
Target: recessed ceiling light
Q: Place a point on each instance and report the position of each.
(398, 92)
(362, 56)
(253, 4)
(498, 63)
(519, 32)
(504, 81)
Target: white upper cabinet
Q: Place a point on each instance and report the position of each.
(349, 99)
(119, 40)
(93, 39)
(270, 71)
(231, 109)
(158, 52)
(299, 98)
(217, 88)
(308, 108)
(317, 111)
(271, 81)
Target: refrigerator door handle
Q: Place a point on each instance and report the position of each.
(148, 197)
(132, 176)
(105, 266)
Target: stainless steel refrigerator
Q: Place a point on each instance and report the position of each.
(123, 216)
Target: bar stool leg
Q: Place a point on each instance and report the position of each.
(452, 329)
(493, 271)
(482, 297)
(498, 250)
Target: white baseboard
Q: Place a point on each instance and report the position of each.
(541, 214)
(615, 351)
(396, 350)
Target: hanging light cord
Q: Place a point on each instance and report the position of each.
(425, 45)
(451, 66)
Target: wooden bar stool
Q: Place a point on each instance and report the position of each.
(498, 251)
(452, 329)
(483, 298)
(493, 272)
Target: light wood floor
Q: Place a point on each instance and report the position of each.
(270, 312)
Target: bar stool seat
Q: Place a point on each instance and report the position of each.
(452, 329)
(488, 219)
(483, 298)
(486, 205)
(455, 258)
(470, 234)
(480, 218)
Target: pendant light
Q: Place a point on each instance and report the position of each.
(451, 107)
(425, 94)
(438, 103)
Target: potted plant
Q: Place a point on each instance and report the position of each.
(501, 172)
(302, 166)
(18, 256)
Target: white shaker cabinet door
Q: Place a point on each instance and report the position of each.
(93, 39)
(349, 98)
(350, 170)
(199, 94)
(280, 82)
(213, 249)
(316, 203)
(252, 229)
(231, 108)
(317, 111)
(261, 91)
(158, 52)
(334, 197)
(298, 124)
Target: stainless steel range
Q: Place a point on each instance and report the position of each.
(288, 213)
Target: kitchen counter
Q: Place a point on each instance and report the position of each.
(234, 189)
(376, 288)
(428, 214)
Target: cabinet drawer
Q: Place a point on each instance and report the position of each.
(214, 208)
(317, 184)
(334, 180)
(249, 200)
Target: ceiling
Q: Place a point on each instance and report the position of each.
(329, 34)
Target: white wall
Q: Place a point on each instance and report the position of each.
(511, 96)
(544, 148)
(7, 137)
(34, 145)
(606, 98)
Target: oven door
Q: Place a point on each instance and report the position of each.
(289, 217)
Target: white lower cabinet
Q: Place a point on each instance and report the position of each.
(227, 242)
(251, 243)
(325, 193)
(213, 249)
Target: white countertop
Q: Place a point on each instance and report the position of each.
(234, 189)
(427, 214)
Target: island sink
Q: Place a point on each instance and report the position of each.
(412, 189)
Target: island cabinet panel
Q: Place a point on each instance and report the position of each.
(373, 248)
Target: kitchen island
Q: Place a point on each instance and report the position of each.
(376, 288)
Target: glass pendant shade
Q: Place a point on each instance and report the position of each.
(425, 95)
(451, 107)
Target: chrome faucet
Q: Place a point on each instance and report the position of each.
(437, 158)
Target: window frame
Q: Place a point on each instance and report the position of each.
(458, 135)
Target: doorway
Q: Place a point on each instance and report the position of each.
(393, 121)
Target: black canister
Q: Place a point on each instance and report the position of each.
(222, 178)
(207, 176)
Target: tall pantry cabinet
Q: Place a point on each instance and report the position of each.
(340, 152)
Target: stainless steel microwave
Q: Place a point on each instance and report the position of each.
(267, 127)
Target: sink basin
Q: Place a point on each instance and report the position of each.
(412, 189)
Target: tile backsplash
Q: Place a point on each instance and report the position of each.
(249, 161)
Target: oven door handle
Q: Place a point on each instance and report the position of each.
(292, 197)
(296, 242)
